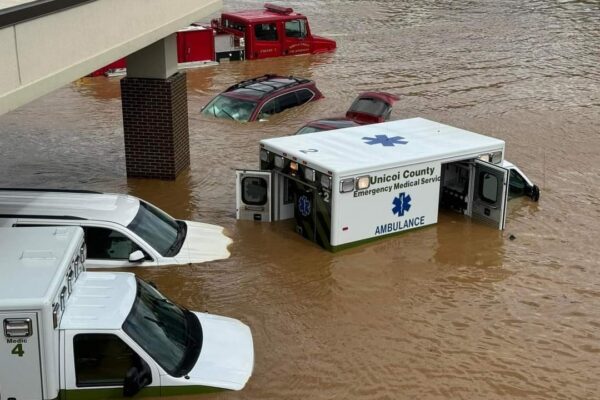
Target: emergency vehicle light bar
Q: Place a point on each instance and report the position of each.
(17, 327)
(278, 9)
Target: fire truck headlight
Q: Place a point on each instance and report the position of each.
(279, 162)
(326, 181)
(293, 168)
(347, 185)
(363, 182)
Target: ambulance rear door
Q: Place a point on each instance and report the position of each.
(490, 196)
(253, 195)
(21, 371)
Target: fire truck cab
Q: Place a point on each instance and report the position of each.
(272, 32)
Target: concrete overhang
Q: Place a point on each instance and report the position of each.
(46, 44)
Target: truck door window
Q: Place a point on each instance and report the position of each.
(106, 244)
(254, 191)
(266, 32)
(295, 29)
(488, 185)
(103, 360)
(516, 184)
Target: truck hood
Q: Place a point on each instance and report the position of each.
(321, 44)
(203, 242)
(227, 357)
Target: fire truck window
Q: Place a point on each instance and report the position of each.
(295, 29)
(254, 191)
(102, 360)
(304, 96)
(238, 26)
(266, 32)
(106, 244)
(488, 187)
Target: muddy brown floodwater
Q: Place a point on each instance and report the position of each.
(455, 310)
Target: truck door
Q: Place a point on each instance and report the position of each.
(265, 40)
(296, 39)
(305, 210)
(491, 193)
(20, 371)
(253, 195)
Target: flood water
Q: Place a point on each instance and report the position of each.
(455, 310)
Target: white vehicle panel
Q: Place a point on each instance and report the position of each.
(398, 199)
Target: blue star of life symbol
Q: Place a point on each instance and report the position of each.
(385, 140)
(401, 204)
(304, 206)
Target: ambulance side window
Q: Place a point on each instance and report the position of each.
(103, 360)
(106, 244)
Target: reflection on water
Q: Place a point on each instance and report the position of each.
(455, 310)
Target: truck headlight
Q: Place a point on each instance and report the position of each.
(363, 182)
(264, 155)
(309, 174)
(326, 181)
(279, 162)
(347, 185)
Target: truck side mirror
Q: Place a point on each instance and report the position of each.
(137, 256)
(136, 379)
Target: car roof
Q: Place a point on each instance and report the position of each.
(263, 86)
(117, 208)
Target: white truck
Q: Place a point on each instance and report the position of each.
(347, 186)
(73, 334)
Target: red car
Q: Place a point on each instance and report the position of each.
(367, 108)
(259, 98)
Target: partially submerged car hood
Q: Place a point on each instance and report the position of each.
(227, 357)
(203, 242)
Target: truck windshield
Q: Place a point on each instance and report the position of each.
(229, 108)
(171, 335)
(158, 229)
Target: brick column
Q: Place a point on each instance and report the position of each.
(155, 120)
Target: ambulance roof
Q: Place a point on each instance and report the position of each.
(100, 300)
(33, 263)
(380, 146)
(117, 208)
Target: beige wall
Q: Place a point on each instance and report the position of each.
(41, 55)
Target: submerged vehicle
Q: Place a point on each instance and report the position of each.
(274, 31)
(367, 108)
(261, 97)
(120, 230)
(74, 334)
(371, 181)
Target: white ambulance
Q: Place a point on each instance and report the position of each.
(72, 334)
(351, 185)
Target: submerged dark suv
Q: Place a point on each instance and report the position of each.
(259, 98)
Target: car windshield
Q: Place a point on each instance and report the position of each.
(369, 106)
(308, 129)
(158, 229)
(171, 335)
(229, 108)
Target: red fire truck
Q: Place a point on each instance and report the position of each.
(271, 32)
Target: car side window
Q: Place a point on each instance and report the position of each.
(266, 32)
(103, 243)
(295, 29)
(271, 107)
(103, 360)
(288, 100)
(304, 96)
